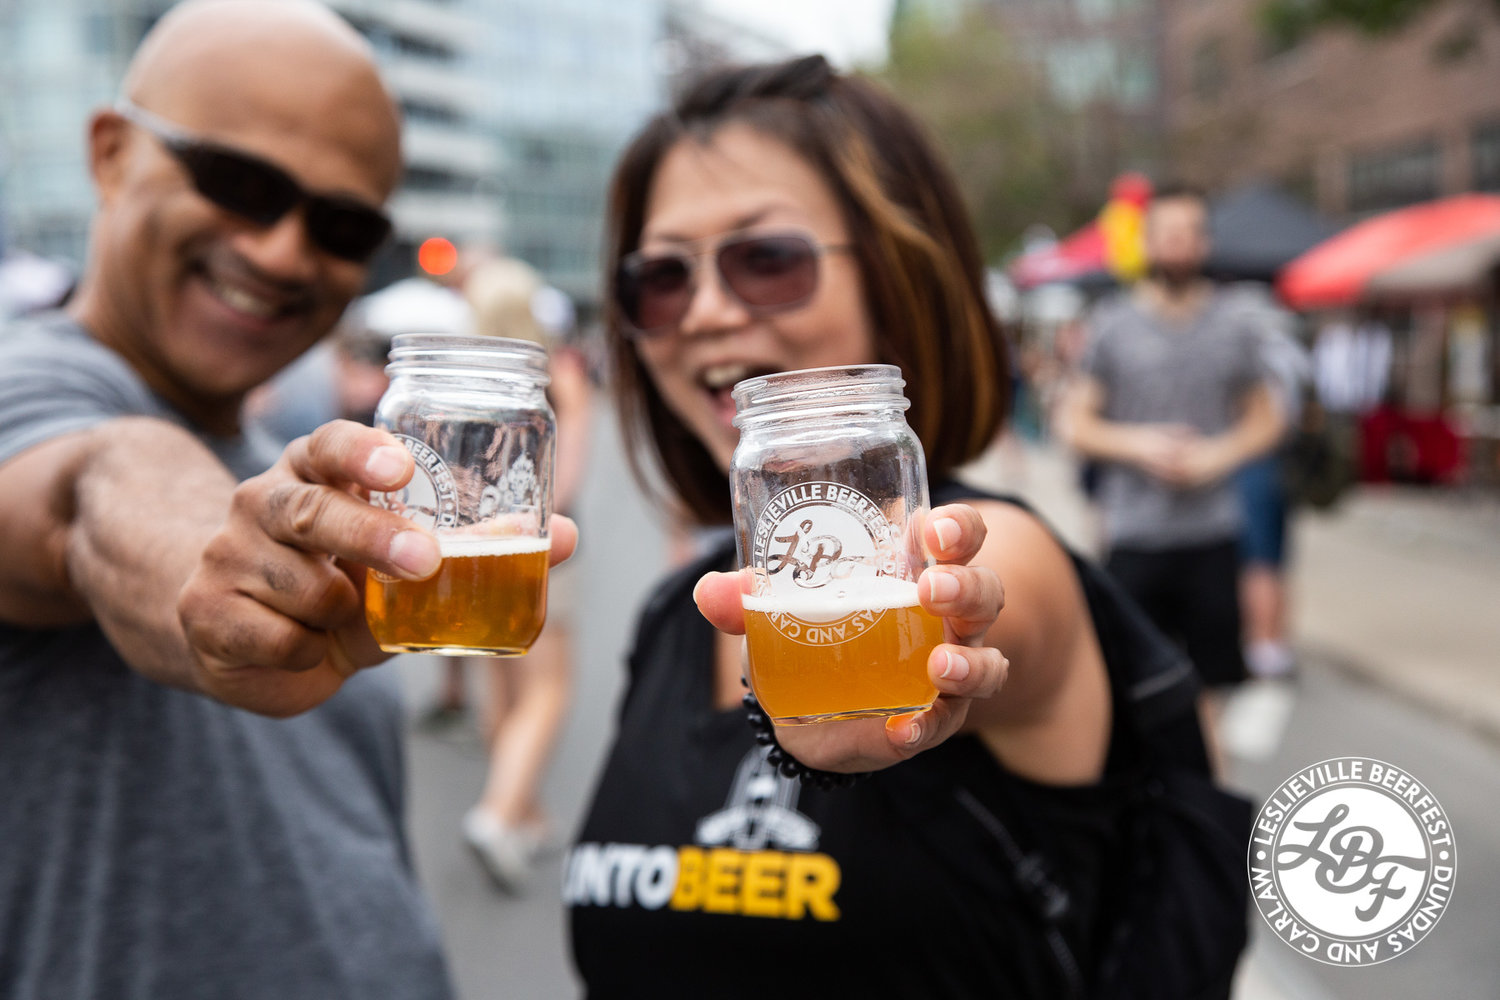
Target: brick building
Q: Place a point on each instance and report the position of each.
(1352, 122)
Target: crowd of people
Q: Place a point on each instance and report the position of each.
(203, 775)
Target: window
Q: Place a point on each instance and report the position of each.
(430, 179)
(422, 48)
(1395, 176)
(427, 111)
(1486, 153)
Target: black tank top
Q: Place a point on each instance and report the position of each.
(702, 872)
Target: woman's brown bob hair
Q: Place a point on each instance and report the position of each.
(911, 236)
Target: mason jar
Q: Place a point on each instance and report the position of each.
(830, 497)
(473, 413)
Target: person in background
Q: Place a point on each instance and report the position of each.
(1172, 397)
(529, 696)
(1260, 482)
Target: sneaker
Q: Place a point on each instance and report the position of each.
(545, 840)
(1268, 660)
(505, 852)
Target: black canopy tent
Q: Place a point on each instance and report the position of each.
(1257, 229)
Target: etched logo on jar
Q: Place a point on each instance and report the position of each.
(431, 498)
(820, 553)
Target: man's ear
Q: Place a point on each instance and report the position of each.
(109, 146)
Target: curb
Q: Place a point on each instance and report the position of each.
(1431, 701)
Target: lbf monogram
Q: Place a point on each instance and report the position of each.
(1354, 847)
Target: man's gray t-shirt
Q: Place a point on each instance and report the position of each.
(157, 844)
(1195, 373)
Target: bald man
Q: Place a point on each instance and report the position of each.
(200, 789)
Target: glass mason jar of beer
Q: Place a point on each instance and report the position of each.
(473, 413)
(830, 495)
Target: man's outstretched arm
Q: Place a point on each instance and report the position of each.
(111, 524)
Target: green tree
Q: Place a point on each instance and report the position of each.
(1289, 21)
(1013, 148)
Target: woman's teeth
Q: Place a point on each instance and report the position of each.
(723, 376)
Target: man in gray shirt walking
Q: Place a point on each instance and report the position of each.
(1172, 398)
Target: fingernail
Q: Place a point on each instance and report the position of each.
(942, 586)
(415, 554)
(957, 667)
(914, 735)
(947, 531)
(385, 464)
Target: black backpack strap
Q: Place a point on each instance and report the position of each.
(1154, 683)
(1039, 887)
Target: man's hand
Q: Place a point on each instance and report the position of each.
(1158, 449)
(1203, 461)
(962, 668)
(274, 611)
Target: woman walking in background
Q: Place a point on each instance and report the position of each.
(529, 696)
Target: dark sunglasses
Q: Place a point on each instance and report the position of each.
(765, 272)
(262, 192)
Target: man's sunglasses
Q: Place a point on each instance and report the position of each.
(765, 272)
(262, 192)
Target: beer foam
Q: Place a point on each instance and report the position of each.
(837, 600)
(491, 545)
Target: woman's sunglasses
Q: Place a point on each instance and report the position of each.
(262, 192)
(765, 272)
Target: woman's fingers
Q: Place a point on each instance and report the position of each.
(718, 599)
(967, 671)
(960, 673)
(954, 533)
(968, 598)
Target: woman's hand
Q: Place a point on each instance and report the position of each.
(962, 668)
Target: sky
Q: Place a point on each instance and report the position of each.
(848, 32)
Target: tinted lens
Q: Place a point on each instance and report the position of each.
(655, 292)
(346, 229)
(769, 272)
(262, 193)
(239, 184)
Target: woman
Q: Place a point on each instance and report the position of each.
(700, 870)
(529, 696)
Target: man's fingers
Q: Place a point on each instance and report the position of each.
(260, 636)
(954, 533)
(718, 597)
(564, 535)
(326, 520)
(346, 453)
(305, 587)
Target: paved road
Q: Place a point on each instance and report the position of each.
(509, 947)
(504, 947)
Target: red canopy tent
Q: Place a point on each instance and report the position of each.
(1435, 247)
(1069, 259)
